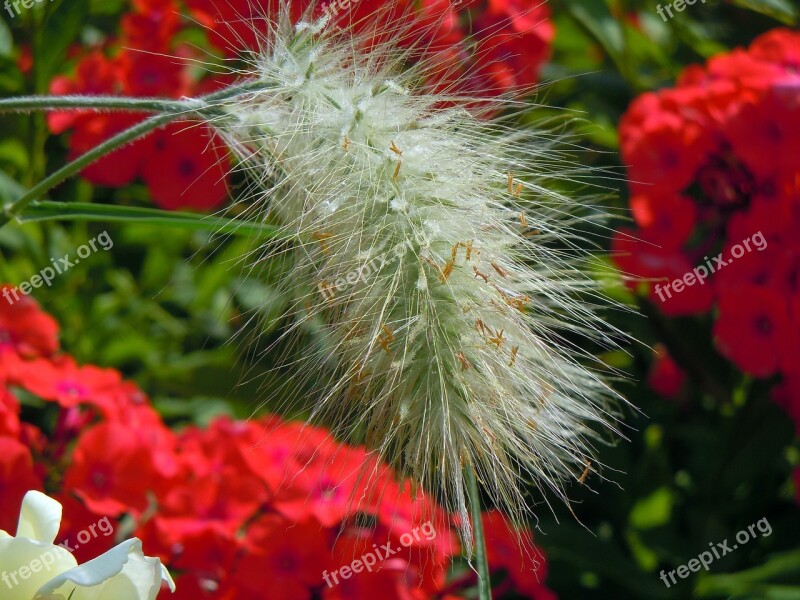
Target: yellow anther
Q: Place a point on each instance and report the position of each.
(514, 351)
(499, 269)
(396, 175)
(484, 276)
(498, 339)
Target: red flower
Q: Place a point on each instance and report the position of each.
(513, 41)
(763, 133)
(215, 517)
(9, 413)
(195, 586)
(438, 21)
(667, 156)
(153, 26)
(286, 558)
(146, 74)
(95, 75)
(646, 265)
(229, 497)
(25, 59)
(779, 46)
(233, 25)
(213, 482)
(515, 553)
(24, 328)
(786, 272)
(121, 166)
(87, 534)
(776, 205)
(63, 381)
(752, 269)
(394, 576)
(389, 583)
(17, 477)
(281, 450)
(751, 74)
(174, 540)
(330, 489)
(111, 470)
(752, 330)
(665, 220)
(416, 518)
(154, 8)
(665, 376)
(187, 168)
(206, 550)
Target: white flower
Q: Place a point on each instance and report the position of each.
(33, 568)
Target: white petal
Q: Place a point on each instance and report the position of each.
(122, 573)
(26, 565)
(39, 518)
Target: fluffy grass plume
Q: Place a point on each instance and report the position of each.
(440, 273)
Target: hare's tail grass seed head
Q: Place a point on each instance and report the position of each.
(442, 278)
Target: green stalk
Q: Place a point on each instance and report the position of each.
(479, 539)
(87, 211)
(140, 129)
(29, 103)
(176, 110)
(38, 83)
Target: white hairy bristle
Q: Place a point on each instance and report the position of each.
(439, 274)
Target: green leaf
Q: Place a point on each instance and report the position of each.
(13, 152)
(10, 189)
(61, 27)
(780, 10)
(87, 211)
(594, 16)
(653, 511)
(6, 41)
(108, 7)
(779, 577)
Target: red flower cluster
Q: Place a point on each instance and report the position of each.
(714, 164)
(234, 510)
(509, 39)
(183, 165)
